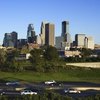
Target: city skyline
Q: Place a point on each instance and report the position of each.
(83, 16)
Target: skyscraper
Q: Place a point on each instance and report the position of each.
(65, 32)
(31, 38)
(65, 27)
(43, 33)
(49, 34)
(10, 40)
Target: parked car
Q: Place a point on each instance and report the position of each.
(72, 91)
(50, 82)
(28, 92)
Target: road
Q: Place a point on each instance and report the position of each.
(86, 88)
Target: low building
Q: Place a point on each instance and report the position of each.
(64, 53)
(21, 43)
(23, 56)
(72, 53)
(32, 46)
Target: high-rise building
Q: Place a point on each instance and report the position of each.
(65, 28)
(31, 38)
(49, 34)
(89, 43)
(10, 40)
(79, 40)
(65, 32)
(42, 33)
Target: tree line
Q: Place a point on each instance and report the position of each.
(44, 59)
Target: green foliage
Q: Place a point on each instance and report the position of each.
(45, 59)
(45, 96)
(86, 52)
(2, 57)
(66, 74)
(51, 54)
(24, 50)
(48, 96)
(83, 59)
(37, 59)
(12, 54)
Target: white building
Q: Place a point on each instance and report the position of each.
(38, 40)
(79, 39)
(82, 41)
(89, 42)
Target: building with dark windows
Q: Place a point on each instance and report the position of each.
(65, 32)
(58, 42)
(21, 43)
(65, 28)
(49, 34)
(31, 38)
(10, 40)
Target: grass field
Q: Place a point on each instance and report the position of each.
(87, 75)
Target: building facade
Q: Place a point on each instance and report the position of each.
(10, 39)
(49, 34)
(79, 40)
(58, 42)
(21, 43)
(65, 32)
(43, 33)
(31, 38)
(89, 42)
(65, 28)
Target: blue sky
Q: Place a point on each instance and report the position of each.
(83, 16)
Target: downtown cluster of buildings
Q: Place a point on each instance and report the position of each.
(47, 37)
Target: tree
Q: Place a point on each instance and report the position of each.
(12, 54)
(11, 63)
(37, 59)
(86, 52)
(2, 57)
(24, 50)
(51, 54)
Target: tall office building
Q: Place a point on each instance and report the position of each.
(43, 33)
(31, 38)
(10, 40)
(65, 28)
(79, 40)
(65, 32)
(49, 34)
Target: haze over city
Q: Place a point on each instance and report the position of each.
(83, 16)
